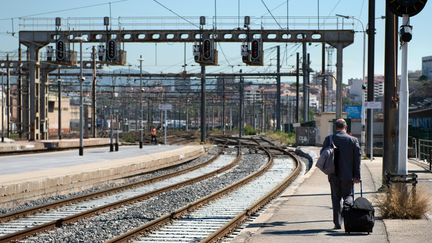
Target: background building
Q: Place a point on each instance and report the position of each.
(427, 67)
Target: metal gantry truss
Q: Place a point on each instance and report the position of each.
(35, 40)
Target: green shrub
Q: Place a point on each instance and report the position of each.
(129, 137)
(282, 137)
(249, 130)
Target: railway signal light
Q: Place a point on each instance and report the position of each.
(245, 53)
(101, 52)
(244, 50)
(405, 33)
(49, 53)
(205, 53)
(406, 7)
(207, 49)
(111, 50)
(197, 53)
(254, 56)
(60, 51)
(255, 49)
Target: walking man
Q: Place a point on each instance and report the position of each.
(153, 134)
(347, 169)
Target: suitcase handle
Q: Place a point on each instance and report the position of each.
(361, 189)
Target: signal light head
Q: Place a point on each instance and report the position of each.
(255, 49)
(111, 50)
(60, 46)
(406, 33)
(207, 49)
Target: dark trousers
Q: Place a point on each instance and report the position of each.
(340, 189)
(153, 139)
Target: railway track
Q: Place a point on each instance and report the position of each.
(206, 206)
(218, 214)
(27, 222)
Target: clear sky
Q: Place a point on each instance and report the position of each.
(170, 56)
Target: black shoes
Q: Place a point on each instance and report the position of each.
(337, 227)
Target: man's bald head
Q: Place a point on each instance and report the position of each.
(340, 124)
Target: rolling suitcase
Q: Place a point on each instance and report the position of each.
(360, 217)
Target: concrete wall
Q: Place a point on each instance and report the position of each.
(53, 115)
(324, 123)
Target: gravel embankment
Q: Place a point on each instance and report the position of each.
(109, 184)
(106, 226)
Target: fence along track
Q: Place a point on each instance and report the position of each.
(193, 206)
(59, 222)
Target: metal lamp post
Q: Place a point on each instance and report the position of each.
(59, 108)
(2, 101)
(141, 128)
(363, 118)
(82, 79)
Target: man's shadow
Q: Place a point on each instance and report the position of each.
(329, 232)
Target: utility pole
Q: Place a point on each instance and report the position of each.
(390, 92)
(403, 106)
(187, 114)
(7, 97)
(112, 116)
(297, 87)
(323, 72)
(371, 71)
(223, 105)
(19, 87)
(305, 82)
(241, 106)
(404, 9)
(307, 85)
(278, 91)
(203, 104)
(81, 142)
(93, 116)
(59, 126)
(141, 128)
(2, 106)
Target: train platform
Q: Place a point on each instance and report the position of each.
(303, 212)
(12, 146)
(27, 176)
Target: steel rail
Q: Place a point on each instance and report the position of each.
(66, 220)
(178, 213)
(241, 218)
(25, 212)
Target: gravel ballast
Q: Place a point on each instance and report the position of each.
(108, 225)
(109, 184)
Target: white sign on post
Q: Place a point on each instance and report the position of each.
(373, 104)
(165, 107)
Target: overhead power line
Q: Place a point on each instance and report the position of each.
(265, 5)
(64, 10)
(178, 15)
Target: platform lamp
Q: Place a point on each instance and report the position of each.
(82, 79)
(2, 106)
(363, 118)
(141, 127)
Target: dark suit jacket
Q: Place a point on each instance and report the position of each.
(347, 155)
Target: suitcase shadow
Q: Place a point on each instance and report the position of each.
(343, 233)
